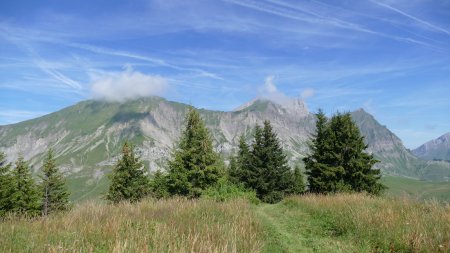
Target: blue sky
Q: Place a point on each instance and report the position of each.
(391, 58)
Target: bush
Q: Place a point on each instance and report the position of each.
(273, 197)
(225, 190)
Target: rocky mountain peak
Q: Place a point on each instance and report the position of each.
(435, 149)
(294, 106)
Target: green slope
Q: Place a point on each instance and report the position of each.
(417, 189)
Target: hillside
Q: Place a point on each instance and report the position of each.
(438, 149)
(86, 137)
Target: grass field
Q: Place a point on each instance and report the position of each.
(308, 223)
(174, 225)
(417, 189)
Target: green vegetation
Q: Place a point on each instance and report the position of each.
(173, 225)
(263, 166)
(226, 191)
(194, 165)
(338, 161)
(6, 185)
(55, 196)
(128, 181)
(25, 197)
(307, 223)
(416, 189)
(20, 195)
(355, 223)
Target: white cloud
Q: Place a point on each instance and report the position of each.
(307, 93)
(269, 91)
(127, 85)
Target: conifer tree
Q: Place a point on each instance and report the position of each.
(323, 175)
(276, 174)
(25, 197)
(194, 165)
(158, 185)
(55, 196)
(338, 161)
(349, 153)
(263, 166)
(239, 166)
(128, 180)
(6, 185)
(298, 186)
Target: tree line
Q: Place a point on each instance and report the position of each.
(337, 162)
(20, 194)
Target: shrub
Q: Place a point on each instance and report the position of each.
(225, 190)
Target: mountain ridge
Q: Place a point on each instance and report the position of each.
(436, 149)
(86, 137)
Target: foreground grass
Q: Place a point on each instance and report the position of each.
(174, 225)
(358, 223)
(308, 223)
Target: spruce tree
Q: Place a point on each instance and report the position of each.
(6, 185)
(323, 175)
(55, 196)
(298, 186)
(338, 161)
(349, 152)
(158, 185)
(263, 167)
(25, 196)
(128, 180)
(239, 171)
(194, 165)
(276, 173)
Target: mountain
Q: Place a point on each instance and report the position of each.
(438, 149)
(87, 137)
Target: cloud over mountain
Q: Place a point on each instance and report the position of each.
(127, 85)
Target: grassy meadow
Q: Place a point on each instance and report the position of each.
(308, 223)
(174, 225)
(416, 189)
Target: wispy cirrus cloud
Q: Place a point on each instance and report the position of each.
(419, 20)
(8, 116)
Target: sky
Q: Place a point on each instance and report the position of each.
(391, 58)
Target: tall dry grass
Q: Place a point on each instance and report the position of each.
(174, 225)
(381, 224)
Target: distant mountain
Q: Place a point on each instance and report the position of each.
(87, 137)
(438, 149)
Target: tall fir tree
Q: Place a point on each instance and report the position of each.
(194, 165)
(239, 172)
(6, 185)
(276, 174)
(323, 175)
(338, 161)
(263, 166)
(55, 196)
(25, 196)
(128, 179)
(349, 152)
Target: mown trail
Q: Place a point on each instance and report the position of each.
(293, 230)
